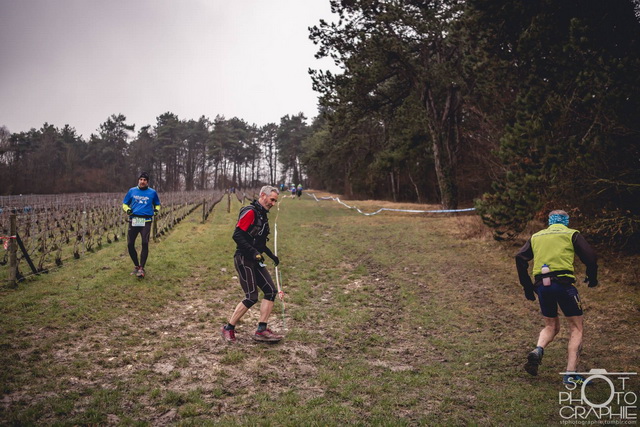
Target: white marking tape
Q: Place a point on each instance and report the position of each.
(278, 277)
(337, 199)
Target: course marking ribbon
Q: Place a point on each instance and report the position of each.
(278, 277)
(337, 199)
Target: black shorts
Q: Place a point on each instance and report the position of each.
(557, 294)
(253, 277)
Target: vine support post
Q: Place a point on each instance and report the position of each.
(13, 249)
(85, 226)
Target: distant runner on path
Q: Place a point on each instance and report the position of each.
(552, 250)
(141, 203)
(250, 236)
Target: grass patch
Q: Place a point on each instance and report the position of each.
(233, 357)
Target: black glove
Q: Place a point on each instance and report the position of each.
(531, 296)
(155, 211)
(592, 283)
(129, 212)
(276, 260)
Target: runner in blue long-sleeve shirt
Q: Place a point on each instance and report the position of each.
(141, 203)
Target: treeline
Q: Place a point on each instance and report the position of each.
(515, 107)
(179, 155)
(521, 105)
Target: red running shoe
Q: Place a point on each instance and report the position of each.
(267, 336)
(228, 335)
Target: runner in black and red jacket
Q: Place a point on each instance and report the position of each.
(251, 235)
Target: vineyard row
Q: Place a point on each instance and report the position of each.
(55, 228)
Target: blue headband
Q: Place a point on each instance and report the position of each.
(559, 219)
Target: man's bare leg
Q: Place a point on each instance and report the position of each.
(266, 307)
(575, 343)
(240, 310)
(547, 334)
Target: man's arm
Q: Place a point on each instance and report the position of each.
(156, 202)
(268, 252)
(271, 255)
(126, 202)
(243, 240)
(524, 255)
(588, 257)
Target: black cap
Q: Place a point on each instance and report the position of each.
(144, 175)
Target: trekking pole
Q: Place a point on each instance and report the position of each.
(278, 276)
(281, 296)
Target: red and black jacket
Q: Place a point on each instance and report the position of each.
(252, 231)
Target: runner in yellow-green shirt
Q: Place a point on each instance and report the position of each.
(553, 250)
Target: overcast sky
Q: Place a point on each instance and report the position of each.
(77, 62)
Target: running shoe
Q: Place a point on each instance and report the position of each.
(267, 336)
(140, 272)
(135, 271)
(576, 379)
(228, 335)
(534, 359)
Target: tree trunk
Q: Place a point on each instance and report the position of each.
(190, 166)
(233, 176)
(296, 175)
(445, 135)
(393, 186)
(275, 165)
(215, 174)
(415, 188)
(348, 188)
(203, 171)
